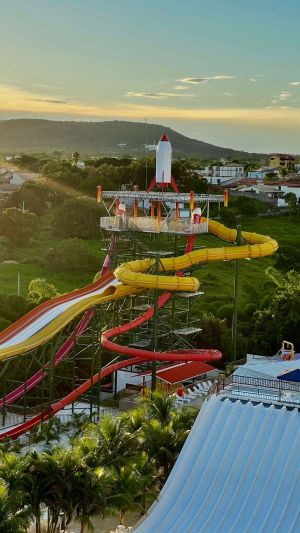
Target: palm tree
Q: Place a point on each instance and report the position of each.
(114, 442)
(35, 481)
(14, 517)
(134, 419)
(130, 489)
(11, 468)
(159, 407)
(49, 431)
(163, 443)
(90, 495)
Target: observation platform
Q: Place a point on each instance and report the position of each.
(148, 225)
(161, 196)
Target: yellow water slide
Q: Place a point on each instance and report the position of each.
(132, 276)
(132, 273)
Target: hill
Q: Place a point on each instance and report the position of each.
(37, 135)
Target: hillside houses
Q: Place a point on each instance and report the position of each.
(273, 191)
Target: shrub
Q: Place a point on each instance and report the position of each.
(226, 311)
(71, 255)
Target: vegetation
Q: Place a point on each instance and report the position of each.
(113, 467)
(26, 135)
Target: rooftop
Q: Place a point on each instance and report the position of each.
(179, 372)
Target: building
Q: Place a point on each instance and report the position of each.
(281, 160)
(261, 173)
(220, 174)
(275, 190)
(19, 178)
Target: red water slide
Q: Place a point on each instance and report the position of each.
(71, 397)
(135, 356)
(68, 345)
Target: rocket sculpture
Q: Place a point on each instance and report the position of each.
(163, 175)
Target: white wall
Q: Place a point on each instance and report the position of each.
(130, 378)
(295, 190)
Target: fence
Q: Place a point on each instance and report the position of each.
(280, 385)
(149, 225)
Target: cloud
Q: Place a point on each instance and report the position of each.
(197, 81)
(158, 96)
(49, 100)
(296, 83)
(253, 80)
(221, 78)
(227, 94)
(16, 102)
(284, 95)
(181, 87)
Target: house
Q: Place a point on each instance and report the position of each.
(287, 187)
(220, 174)
(281, 160)
(19, 178)
(260, 173)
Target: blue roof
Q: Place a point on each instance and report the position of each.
(237, 472)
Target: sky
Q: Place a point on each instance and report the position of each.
(223, 71)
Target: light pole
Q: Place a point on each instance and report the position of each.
(235, 295)
(146, 153)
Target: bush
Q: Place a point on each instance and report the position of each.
(288, 258)
(71, 255)
(245, 206)
(79, 218)
(228, 217)
(225, 312)
(18, 226)
(4, 323)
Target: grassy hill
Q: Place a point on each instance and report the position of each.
(37, 135)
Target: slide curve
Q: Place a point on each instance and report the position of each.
(43, 322)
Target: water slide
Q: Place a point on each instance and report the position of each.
(67, 346)
(238, 471)
(42, 323)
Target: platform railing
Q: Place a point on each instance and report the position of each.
(265, 383)
(148, 225)
(258, 388)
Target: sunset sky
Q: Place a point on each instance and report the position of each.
(222, 71)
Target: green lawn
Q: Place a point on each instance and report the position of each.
(216, 279)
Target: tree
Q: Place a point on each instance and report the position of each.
(215, 333)
(33, 196)
(291, 199)
(280, 319)
(18, 226)
(14, 518)
(158, 406)
(283, 172)
(246, 206)
(75, 157)
(131, 488)
(228, 217)
(78, 218)
(71, 255)
(163, 443)
(40, 290)
(91, 495)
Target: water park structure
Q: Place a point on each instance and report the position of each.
(144, 297)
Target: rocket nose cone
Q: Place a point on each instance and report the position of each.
(165, 138)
